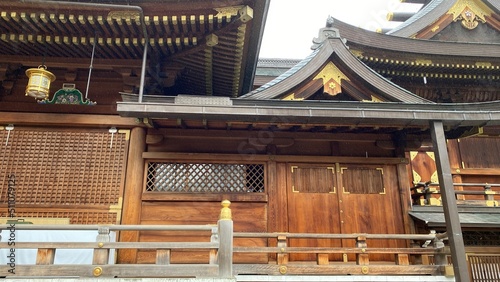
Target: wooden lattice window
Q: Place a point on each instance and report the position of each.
(72, 173)
(481, 238)
(363, 180)
(204, 177)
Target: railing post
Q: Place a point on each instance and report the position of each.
(214, 238)
(45, 256)
(361, 258)
(101, 256)
(282, 255)
(163, 256)
(489, 196)
(225, 254)
(439, 256)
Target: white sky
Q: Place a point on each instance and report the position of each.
(292, 24)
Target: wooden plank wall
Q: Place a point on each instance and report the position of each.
(247, 216)
(268, 212)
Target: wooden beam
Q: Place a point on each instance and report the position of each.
(453, 227)
(264, 158)
(62, 62)
(65, 119)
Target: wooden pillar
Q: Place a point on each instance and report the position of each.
(453, 227)
(133, 191)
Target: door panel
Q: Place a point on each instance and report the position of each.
(312, 200)
(370, 204)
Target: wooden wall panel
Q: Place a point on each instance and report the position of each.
(247, 217)
(480, 152)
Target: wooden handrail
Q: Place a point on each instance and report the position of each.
(423, 184)
(208, 227)
(424, 189)
(334, 236)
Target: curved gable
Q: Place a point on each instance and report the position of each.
(332, 72)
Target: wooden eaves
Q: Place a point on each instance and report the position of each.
(198, 44)
(321, 112)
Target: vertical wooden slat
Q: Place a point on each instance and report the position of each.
(45, 256)
(322, 259)
(402, 259)
(162, 256)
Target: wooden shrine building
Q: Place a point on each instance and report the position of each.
(375, 155)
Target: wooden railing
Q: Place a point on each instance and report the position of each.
(219, 249)
(407, 261)
(413, 259)
(422, 194)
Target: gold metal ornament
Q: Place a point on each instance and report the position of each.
(225, 212)
(39, 82)
(97, 271)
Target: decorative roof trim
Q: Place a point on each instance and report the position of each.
(390, 43)
(283, 84)
(423, 18)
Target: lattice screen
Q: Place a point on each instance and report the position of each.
(481, 238)
(73, 169)
(204, 177)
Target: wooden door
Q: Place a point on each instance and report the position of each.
(346, 200)
(313, 206)
(370, 204)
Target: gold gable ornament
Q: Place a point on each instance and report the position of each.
(469, 19)
(39, 82)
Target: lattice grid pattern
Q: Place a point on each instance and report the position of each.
(481, 238)
(62, 167)
(205, 177)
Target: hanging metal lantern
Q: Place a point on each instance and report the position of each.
(39, 82)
